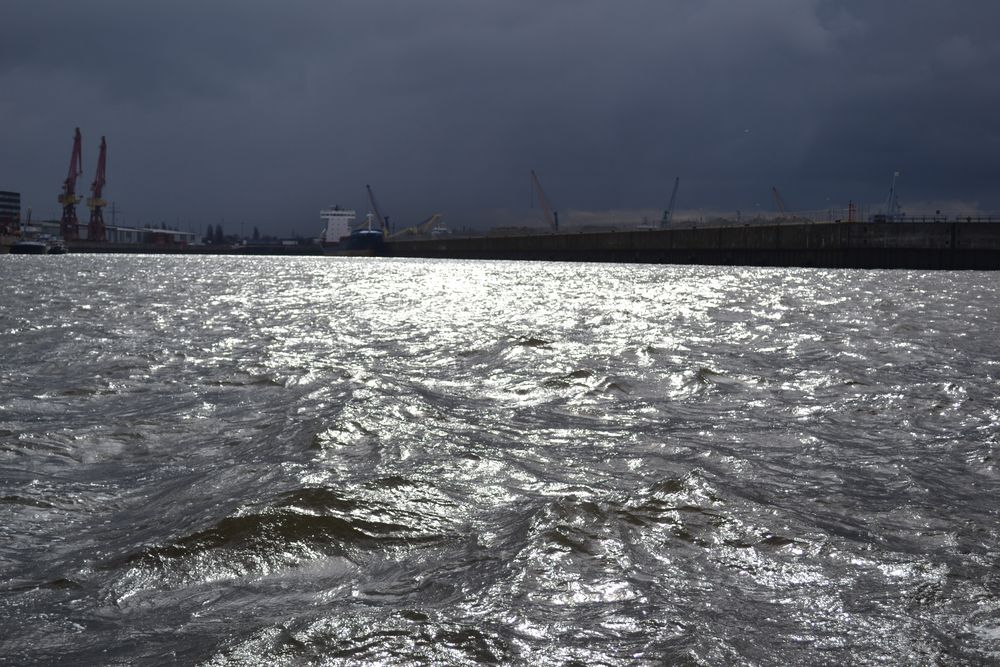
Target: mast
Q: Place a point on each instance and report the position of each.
(382, 221)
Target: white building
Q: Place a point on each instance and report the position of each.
(338, 223)
(115, 234)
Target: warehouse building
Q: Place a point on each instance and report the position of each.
(10, 211)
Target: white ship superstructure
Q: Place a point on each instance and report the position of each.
(338, 223)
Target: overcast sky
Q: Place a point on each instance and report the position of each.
(261, 113)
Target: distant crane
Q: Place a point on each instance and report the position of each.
(69, 226)
(382, 221)
(96, 231)
(551, 216)
(892, 202)
(778, 201)
(668, 215)
(431, 226)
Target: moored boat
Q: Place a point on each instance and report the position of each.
(29, 247)
(43, 245)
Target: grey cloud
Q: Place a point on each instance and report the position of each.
(264, 112)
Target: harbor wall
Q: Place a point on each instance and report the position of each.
(920, 245)
(169, 249)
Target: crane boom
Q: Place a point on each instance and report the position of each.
(778, 201)
(551, 216)
(96, 231)
(69, 226)
(892, 202)
(382, 221)
(430, 226)
(668, 215)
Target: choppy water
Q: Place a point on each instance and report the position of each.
(232, 461)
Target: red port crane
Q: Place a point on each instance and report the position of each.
(69, 226)
(96, 230)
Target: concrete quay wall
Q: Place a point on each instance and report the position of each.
(166, 249)
(943, 245)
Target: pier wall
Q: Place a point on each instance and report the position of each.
(168, 249)
(930, 245)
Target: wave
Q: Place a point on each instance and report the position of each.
(369, 637)
(299, 526)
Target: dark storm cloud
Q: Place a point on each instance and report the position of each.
(263, 112)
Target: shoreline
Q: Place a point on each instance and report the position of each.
(869, 245)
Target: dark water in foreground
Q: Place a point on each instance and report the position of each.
(233, 461)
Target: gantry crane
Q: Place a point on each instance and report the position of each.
(96, 230)
(551, 216)
(668, 215)
(382, 221)
(69, 226)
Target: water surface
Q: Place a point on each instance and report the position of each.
(232, 461)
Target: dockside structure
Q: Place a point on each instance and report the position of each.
(890, 245)
(10, 211)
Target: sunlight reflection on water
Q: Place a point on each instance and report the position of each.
(263, 460)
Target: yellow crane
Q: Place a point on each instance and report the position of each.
(428, 227)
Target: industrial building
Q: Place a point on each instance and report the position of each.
(114, 234)
(10, 211)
